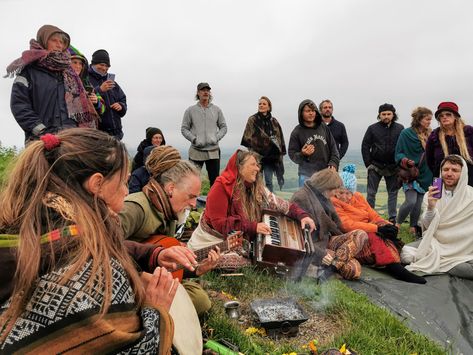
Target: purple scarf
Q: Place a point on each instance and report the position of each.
(79, 107)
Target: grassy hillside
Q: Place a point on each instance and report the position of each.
(291, 179)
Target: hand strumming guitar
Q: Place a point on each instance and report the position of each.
(172, 256)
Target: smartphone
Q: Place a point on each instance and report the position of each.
(437, 183)
(89, 89)
(111, 76)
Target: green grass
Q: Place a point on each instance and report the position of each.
(6, 157)
(363, 326)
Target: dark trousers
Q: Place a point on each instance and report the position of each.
(268, 172)
(411, 206)
(391, 186)
(212, 166)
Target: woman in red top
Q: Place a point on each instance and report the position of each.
(236, 201)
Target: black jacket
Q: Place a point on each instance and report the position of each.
(339, 133)
(111, 120)
(38, 102)
(326, 152)
(379, 144)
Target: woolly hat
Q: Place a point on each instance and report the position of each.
(76, 54)
(348, 177)
(386, 107)
(327, 179)
(162, 158)
(447, 106)
(101, 56)
(151, 131)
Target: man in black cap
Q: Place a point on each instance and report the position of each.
(378, 148)
(114, 97)
(204, 126)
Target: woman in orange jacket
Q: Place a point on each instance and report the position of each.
(355, 213)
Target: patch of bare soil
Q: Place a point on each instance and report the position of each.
(319, 326)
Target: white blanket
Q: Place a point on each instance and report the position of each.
(449, 239)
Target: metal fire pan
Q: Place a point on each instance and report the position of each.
(278, 312)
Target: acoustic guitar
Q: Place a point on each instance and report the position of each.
(233, 241)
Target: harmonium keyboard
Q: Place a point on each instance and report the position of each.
(288, 249)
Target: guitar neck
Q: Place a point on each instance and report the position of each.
(201, 254)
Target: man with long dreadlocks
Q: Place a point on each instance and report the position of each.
(47, 95)
(156, 210)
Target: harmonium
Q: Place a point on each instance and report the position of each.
(287, 250)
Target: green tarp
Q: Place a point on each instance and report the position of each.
(442, 309)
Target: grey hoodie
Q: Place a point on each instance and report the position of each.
(204, 127)
(326, 152)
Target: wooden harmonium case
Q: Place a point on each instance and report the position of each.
(288, 248)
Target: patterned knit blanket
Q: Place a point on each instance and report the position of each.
(61, 318)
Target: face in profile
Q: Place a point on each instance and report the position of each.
(184, 194)
(343, 194)
(249, 169)
(114, 190)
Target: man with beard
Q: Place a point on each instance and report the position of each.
(204, 126)
(337, 128)
(377, 148)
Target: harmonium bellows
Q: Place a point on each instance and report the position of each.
(288, 245)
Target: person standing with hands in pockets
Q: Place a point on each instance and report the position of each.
(115, 99)
(311, 145)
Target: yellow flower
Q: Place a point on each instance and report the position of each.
(254, 330)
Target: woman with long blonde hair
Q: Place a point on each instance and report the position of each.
(452, 137)
(68, 280)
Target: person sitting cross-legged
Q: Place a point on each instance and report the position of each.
(382, 249)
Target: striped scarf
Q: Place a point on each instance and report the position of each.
(158, 197)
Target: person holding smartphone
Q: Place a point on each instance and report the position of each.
(80, 65)
(115, 99)
(446, 246)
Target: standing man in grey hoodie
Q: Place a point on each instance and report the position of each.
(311, 145)
(204, 126)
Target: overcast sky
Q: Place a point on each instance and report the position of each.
(359, 54)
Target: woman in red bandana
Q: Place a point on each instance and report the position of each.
(236, 201)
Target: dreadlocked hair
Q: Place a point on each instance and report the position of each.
(63, 170)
